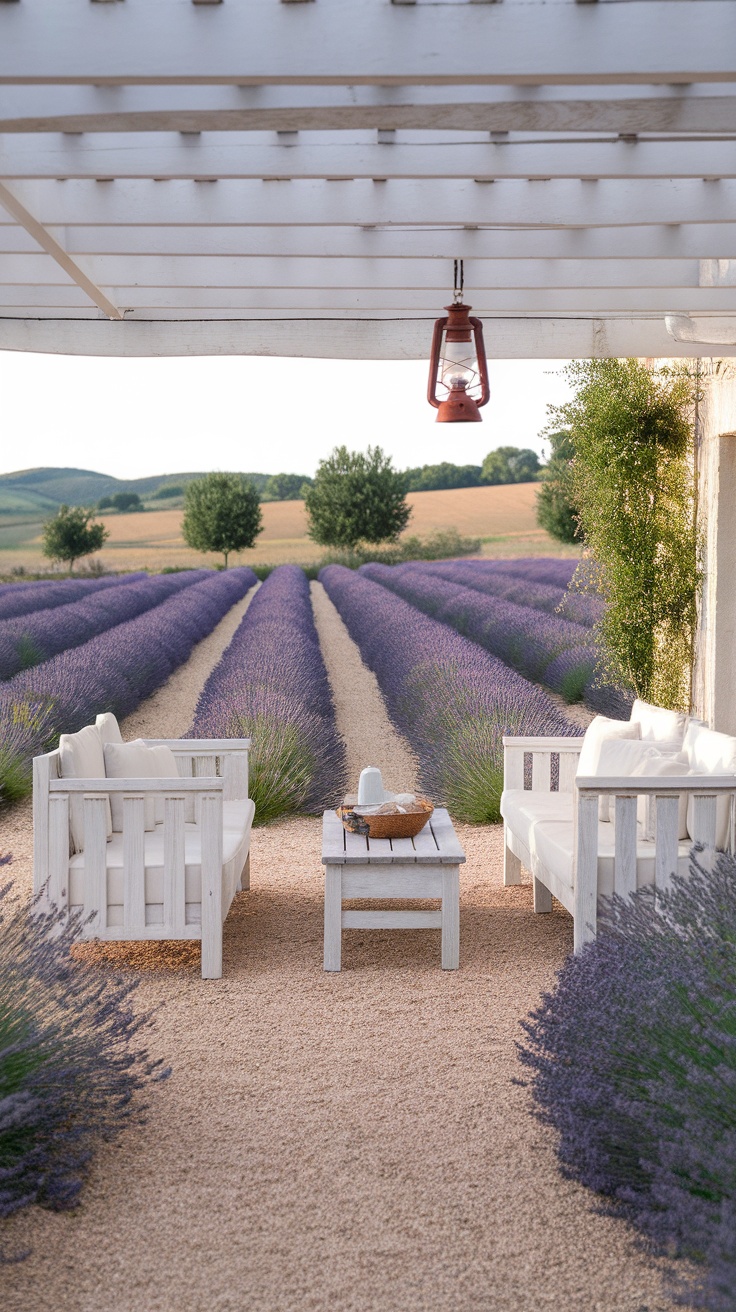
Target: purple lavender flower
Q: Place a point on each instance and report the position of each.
(633, 1064)
(112, 672)
(525, 591)
(452, 700)
(70, 1073)
(271, 685)
(24, 598)
(29, 639)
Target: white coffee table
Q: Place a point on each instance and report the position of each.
(427, 866)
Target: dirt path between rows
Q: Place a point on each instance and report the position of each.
(337, 1143)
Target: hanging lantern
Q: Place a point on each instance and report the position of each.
(458, 371)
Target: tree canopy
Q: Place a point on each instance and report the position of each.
(221, 513)
(556, 510)
(72, 534)
(357, 497)
(510, 464)
(286, 487)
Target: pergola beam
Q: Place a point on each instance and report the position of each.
(703, 108)
(179, 271)
(533, 338)
(237, 155)
(344, 42)
(252, 301)
(655, 243)
(51, 247)
(560, 203)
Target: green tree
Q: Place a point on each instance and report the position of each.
(126, 501)
(556, 510)
(357, 498)
(72, 534)
(221, 513)
(632, 432)
(510, 464)
(433, 478)
(286, 487)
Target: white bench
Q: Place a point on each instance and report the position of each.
(174, 881)
(574, 857)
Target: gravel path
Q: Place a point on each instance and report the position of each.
(337, 1143)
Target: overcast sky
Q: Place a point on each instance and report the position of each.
(132, 417)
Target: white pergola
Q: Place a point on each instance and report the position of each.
(296, 177)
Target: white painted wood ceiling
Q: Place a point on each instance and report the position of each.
(296, 177)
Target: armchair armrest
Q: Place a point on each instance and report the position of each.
(200, 746)
(202, 784)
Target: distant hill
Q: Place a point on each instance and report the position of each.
(44, 490)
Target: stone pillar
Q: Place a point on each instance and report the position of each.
(714, 676)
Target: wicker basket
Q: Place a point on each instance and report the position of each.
(387, 826)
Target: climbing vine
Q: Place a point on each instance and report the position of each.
(631, 429)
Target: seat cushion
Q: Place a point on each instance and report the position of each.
(236, 827)
(81, 757)
(521, 809)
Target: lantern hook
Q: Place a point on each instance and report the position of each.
(457, 295)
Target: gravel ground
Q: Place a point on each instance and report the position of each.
(350, 1142)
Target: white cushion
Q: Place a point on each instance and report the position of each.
(552, 850)
(657, 764)
(165, 767)
(108, 728)
(130, 761)
(600, 729)
(709, 752)
(657, 724)
(623, 756)
(81, 757)
(521, 809)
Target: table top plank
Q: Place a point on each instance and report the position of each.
(436, 844)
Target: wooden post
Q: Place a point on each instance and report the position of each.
(585, 894)
(333, 917)
(211, 825)
(450, 917)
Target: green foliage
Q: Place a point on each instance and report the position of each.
(356, 498)
(165, 493)
(632, 432)
(221, 513)
(556, 510)
(286, 487)
(280, 767)
(510, 464)
(435, 478)
(71, 534)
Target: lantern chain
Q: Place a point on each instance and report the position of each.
(457, 295)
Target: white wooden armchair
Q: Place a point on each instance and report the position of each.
(172, 879)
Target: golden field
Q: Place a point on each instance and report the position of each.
(503, 516)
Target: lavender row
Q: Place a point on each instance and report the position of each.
(552, 598)
(112, 672)
(546, 648)
(542, 569)
(452, 700)
(30, 639)
(271, 686)
(25, 598)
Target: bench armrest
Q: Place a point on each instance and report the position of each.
(201, 746)
(202, 784)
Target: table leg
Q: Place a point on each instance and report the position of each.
(450, 917)
(333, 917)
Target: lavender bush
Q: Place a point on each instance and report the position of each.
(552, 598)
(530, 641)
(70, 1070)
(25, 598)
(540, 569)
(112, 672)
(271, 686)
(29, 639)
(452, 700)
(633, 1063)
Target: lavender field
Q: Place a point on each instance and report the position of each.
(452, 699)
(114, 671)
(271, 686)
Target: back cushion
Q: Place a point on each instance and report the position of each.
(166, 768)
(81, 757)
(709, 752)
(598, 731)
(108, 728)
(130, 761)
(658, 725)
(658, 764)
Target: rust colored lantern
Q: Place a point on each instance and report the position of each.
(458, 370)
